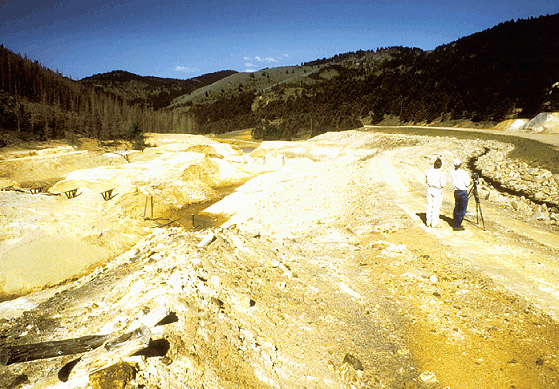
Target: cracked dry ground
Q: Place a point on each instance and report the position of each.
(332, 282)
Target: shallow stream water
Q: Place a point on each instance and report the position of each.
(192, 217)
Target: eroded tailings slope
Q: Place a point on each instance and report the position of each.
(107, 200)
(324, 275)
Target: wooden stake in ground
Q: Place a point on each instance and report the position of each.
(150, 200)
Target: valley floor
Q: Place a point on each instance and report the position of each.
(324, 275)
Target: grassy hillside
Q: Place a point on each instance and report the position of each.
(505, 72)
(156, 92)
(234, 84)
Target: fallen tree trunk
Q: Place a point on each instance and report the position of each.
(111, 352)
(31, 352)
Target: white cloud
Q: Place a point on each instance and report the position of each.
(186, 69)
(252, 63)
(260, 59)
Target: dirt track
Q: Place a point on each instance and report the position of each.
(328, 277)
(476, 325)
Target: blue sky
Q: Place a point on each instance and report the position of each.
(184, 39)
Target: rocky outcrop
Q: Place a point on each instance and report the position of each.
(530, 190)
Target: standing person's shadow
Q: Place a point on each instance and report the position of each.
(423, 217)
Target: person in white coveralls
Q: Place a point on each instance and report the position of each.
(436, 181)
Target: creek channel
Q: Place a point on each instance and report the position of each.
(192, 217)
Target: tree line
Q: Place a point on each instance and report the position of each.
(39, 103)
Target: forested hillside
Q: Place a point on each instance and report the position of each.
(154, 92)
(37, 103)
(507, 71)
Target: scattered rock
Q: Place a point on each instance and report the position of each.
(166, 360)
(380, 245)
(353, 362)
(538, 184)
(539, 196)
(239, 343)
(538, 215)
(428, 377)
(209, 238)
(116, 376)
(220, 304)
(410, 385)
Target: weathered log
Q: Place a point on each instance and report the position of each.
(111, 352)
(122, 346)
(10, 354)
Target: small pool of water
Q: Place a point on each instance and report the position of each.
(248, 149)
(191, 217)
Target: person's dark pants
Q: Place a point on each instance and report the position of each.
(460, 206)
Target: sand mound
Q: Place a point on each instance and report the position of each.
(511, 125)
